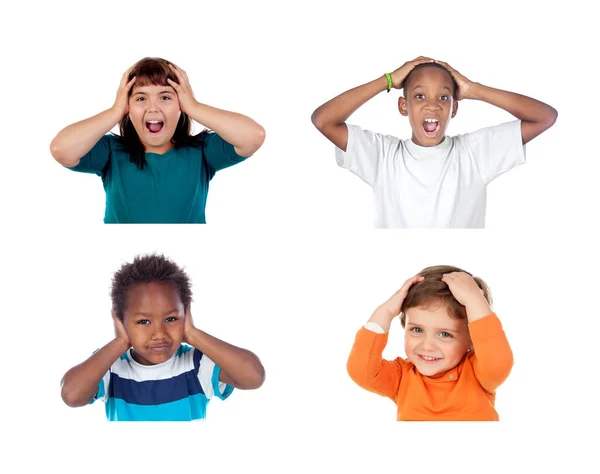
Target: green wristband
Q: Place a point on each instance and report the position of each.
(388, 76)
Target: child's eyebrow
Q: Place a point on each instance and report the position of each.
(141, 313)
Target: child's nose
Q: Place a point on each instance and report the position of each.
(159, 332)
(428, 344)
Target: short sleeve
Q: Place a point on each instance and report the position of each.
(220, 154)
(208, 375)
(103, 386)
(497, 149)
(96, 159)
(364, 153)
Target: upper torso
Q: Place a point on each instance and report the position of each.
(442, 186)
(171, 188)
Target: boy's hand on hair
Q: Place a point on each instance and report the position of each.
(466, 291)
(464, 84)
(385, 313)
(183, 89)
(188, 325)
(120, 332)
(400, 74)
(122, 101)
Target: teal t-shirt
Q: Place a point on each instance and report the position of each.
(172, 187)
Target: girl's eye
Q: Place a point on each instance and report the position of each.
(143, 321)
(171, 319)
(417, 330)
(444, 97)
(420, 96)
(166, 97)
(445, 334)
(139, 99)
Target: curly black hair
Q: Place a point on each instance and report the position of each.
(147, 269)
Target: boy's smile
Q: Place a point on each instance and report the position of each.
(154, 112)
(154, 321)
(433, 341)
(428, 104)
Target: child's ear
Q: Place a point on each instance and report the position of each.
(454, 108)
(402, 106)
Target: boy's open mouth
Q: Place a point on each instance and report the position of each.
(154, 126)
(431, 127)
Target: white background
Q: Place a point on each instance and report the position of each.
(289, 265)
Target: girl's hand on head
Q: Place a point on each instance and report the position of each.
(394, 304)
(122, 101)
(183, 89)
(120, 332)
(188, 325)
(464, 288)
(400, 74)
(464, 85)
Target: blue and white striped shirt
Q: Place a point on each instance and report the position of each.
(176, 390)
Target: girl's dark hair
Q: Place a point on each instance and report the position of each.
(433, 291)
(155, 71)
(424, 65)
(147, 269)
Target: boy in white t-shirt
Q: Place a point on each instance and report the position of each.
(431, 180)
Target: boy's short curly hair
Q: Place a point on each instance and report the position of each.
(433, 291)
(147, 269)
(424, 65)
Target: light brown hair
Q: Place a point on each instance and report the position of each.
(432, 291)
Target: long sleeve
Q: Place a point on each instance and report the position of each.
(493, 356)
(367, 368)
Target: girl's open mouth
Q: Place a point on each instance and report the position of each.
(154, 126)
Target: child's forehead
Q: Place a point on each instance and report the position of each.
(430, 76)
(433, 315)
(153, 294)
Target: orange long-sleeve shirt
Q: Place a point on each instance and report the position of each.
(464, 393)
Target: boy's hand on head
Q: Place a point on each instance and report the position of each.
(188, 325)
(183, 89)
(400, 74)
(122, 101)
(394, 304)
(120, 332)
(466, 291)
(464, 84)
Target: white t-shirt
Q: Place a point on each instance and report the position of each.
(440, 186)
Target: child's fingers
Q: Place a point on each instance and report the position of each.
(180, 73)
(130, 83)
(174, 85)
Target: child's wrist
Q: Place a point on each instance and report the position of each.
(474, 91)
(478, 309)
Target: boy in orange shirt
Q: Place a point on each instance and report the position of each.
(457, 353)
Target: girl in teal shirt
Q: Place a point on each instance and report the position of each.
(155, 171)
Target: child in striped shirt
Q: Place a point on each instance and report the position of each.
(159, 367)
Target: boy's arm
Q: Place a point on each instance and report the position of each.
(493, 356)
(242, 132)
(74, 141)
(366, 366)
(240, 368)
(80, 384)
(536, 117)
(330, 118)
